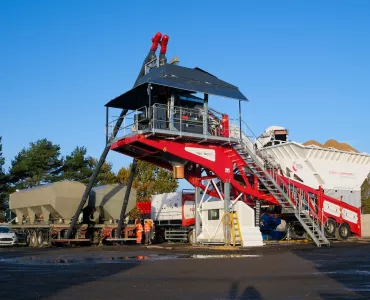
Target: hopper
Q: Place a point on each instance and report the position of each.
(108, 200)
(56, 202)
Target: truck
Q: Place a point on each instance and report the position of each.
(43, 214)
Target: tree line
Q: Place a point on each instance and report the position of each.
(42, 163)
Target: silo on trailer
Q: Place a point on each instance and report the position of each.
(56, 202)
(340, 173)
(108, 200)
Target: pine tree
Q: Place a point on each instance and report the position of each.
(39, 164)
(79, 167)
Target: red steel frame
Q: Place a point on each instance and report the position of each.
(226, 162)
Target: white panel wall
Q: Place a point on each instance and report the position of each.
(167, 206)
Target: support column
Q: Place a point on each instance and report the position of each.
(227, 210)
(205, 117)
(240, 121)
(197, 214)
(172, 112)
(106, 126)
(125, 200)
(149, 90)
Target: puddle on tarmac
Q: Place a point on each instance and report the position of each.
(117, 259)
(345, 272)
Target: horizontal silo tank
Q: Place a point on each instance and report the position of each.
(108, 200)
(340, 173)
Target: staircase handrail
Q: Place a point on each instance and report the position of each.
(270, 160)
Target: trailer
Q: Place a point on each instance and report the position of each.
(44, 213)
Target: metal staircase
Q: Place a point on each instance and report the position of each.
(291, 198)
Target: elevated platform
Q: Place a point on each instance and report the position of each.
(180, 136)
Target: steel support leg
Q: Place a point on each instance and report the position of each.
(197, 214)
(172, 112)
(205, 116)
(125, 200)
(94, 175)
(227, 210)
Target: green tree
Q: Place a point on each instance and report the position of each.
(76, 166)
(106, 175)
(149, 180)
(79, 167)
(39, 164)
(365, 195)
(3, 184)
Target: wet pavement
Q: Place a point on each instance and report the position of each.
(182, 272)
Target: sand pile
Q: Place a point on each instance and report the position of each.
(332, 144)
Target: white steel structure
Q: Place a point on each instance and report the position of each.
(340, 173)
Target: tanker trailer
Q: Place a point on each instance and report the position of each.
(43, 213)
(340, 173)
(41, 208)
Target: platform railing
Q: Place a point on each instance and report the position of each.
(177, 120)
(130, 123)
(184, 121)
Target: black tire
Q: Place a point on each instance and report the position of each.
(342, 232)
(299, 231)
(191, 237)
(330, 227)
(40, 238)
(34, 243)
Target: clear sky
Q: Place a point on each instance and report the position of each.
(304, 65)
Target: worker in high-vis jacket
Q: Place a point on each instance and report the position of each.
(147, 231)
(139, 231)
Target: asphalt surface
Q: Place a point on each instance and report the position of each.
(181, 272)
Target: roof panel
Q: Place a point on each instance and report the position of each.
(176, 77)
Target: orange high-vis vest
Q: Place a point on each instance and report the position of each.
(139, 227)
(147, 227)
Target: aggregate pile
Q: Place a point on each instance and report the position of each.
(332, 144)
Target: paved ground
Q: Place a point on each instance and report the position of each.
(131, 272)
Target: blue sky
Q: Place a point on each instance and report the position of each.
(303, 65)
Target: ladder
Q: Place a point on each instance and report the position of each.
(235, 231)
(231, 220)
(291, 198)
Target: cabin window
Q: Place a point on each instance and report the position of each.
(213, 214)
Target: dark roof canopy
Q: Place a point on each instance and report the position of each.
(178, 78)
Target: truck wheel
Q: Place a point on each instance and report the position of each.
(34, 242)
(342, 232)
(40, 238)
(191, 237)
(329, 227)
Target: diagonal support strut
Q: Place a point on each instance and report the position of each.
(125, 200)
(95, 175)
